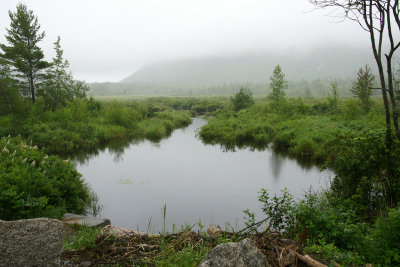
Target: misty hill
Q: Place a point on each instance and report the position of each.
(308, 73)
(333, 62)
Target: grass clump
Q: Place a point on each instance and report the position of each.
(84, 238)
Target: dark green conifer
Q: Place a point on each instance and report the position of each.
(22, 53)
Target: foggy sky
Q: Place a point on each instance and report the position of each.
(108, 40)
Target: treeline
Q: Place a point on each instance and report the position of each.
(304, 88)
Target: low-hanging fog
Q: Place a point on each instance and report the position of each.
(107, 41)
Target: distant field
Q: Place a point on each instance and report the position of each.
(123, 98)
(126, 98)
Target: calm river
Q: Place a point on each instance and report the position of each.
(194, 181)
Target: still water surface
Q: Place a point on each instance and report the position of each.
(194, 181)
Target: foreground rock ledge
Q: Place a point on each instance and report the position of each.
(33, 242)
(92, 222)
(240, 254)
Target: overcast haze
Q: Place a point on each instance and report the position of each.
(109, 40)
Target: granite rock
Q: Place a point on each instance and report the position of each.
(239, 254)
(32, 242)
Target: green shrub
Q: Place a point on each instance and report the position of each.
(382, 244)
(279, 209)
(283, 140)
(119, 114)
(242, 99)
(371, 177)
(155, 132)
(33, 184)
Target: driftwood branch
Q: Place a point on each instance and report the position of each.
(308, 260)
(254, 224)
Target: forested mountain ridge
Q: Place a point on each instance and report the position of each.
(321, 62)
(309, 74)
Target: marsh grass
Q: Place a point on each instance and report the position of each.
(84, 238)
(305, 131)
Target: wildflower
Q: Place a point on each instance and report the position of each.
(5, 150)
(33, 163)
(24, 160)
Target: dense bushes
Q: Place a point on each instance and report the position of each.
(242, 99)
(86, 124)
(367, 171)
(34, 185)
(298, 130)
(332, 230)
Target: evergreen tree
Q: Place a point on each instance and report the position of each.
(278, 85)
(333, 98)
(9, 97)
(242, 99)
(362, 87)
(23, 54)
(60, 87)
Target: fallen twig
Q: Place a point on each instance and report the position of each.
(308, 260)
(254, 224)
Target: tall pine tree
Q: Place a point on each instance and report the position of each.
(362, 87)
(22, 53)
(10, 100)
(59, 86)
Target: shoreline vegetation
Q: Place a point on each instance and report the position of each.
(330, 226)
(46, 116)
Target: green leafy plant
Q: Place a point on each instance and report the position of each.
(242, 99)
(279, 209)
(33, 184)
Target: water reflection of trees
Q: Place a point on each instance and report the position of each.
(276, 162)
(116, 148)
(277, 156)
(304, 163)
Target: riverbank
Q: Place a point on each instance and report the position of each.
(125, 247)
(305, 132)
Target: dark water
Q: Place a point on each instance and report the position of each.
(194, 181)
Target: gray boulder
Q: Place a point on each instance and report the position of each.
(240, 254)
(33, 242)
